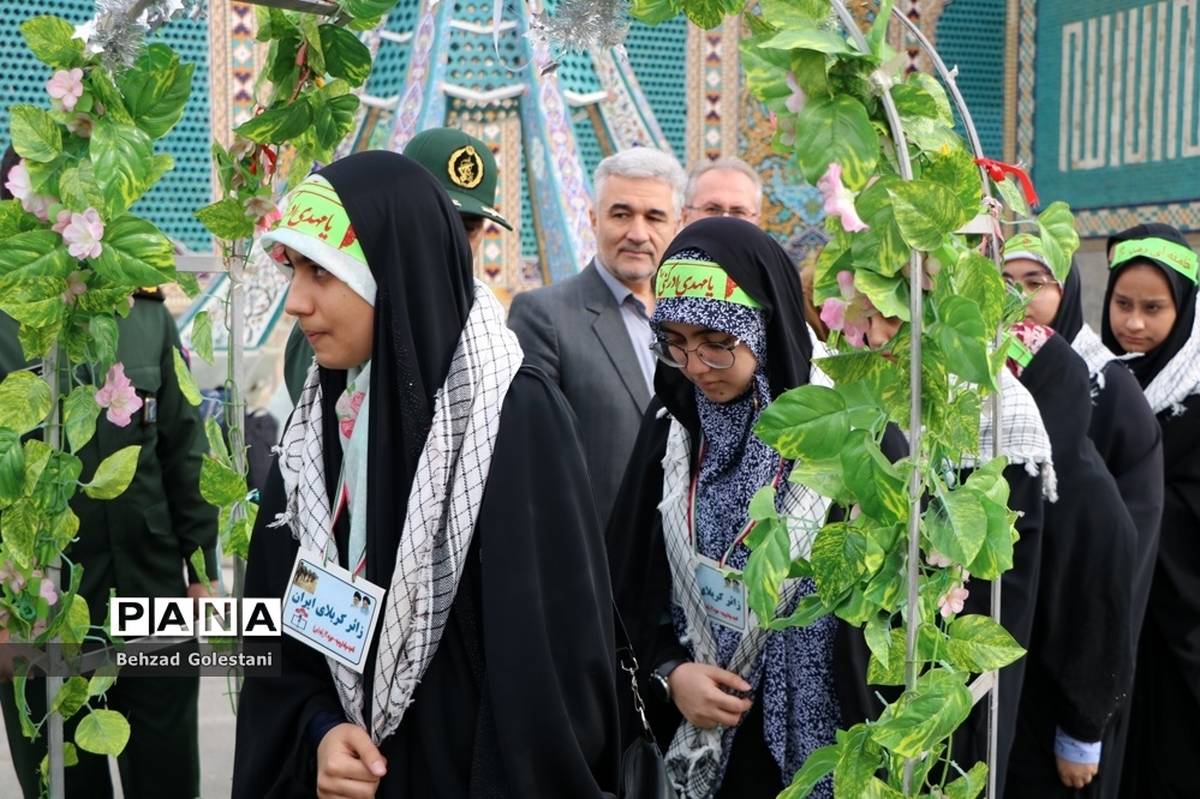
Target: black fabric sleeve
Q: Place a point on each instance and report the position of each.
(273, 758)
(548, 638)
(180, 448)
(539, 340)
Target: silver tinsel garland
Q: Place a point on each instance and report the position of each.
(578, 26)
(120, 26)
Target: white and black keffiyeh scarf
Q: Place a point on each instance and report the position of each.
(443, 506)
(1180, 378)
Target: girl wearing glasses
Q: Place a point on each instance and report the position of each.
(742, 707)
(1150, 317)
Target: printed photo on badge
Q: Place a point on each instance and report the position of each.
(328, 611)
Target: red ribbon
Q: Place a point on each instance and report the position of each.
(998, 169)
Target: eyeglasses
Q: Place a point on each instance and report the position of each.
(712, 354)
(1031, 284)
(712, 209)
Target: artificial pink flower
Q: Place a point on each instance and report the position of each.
(797, 99)
(851, 314)
(61, 221)
(11, 576)
(19, 183)
(76, 286)
(935, 558)
(46, 591)
(82, 236)
(278, 254)
(952, 601)
(39, 206)
(241, 147)
(119, 396)
(80, 125)
(839, 201)
(66, 86)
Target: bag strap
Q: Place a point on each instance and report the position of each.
(628, 663)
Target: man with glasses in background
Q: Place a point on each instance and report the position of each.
(725, 187)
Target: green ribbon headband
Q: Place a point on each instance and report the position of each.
(700, 279)
(1182, 259)
(315, 210)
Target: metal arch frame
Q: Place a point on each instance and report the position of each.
(987, 684)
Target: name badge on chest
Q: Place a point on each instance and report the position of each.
(724, 598)
(326, 610)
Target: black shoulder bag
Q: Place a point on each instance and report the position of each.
(643, 769)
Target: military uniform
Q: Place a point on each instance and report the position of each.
(135, 545)
(466, 169)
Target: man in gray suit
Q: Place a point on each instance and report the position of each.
(591, 332)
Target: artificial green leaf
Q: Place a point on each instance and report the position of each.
(1012, 195)
(201, 337)
(135, 254)
(27, 728)
(886, 587)
(969, 785)
(52, 40)
(70, 758)
(279, 124)
(70, 697)
(188, 283)
(930, 85)
(21, 522)
(37, 455)
(924, 716)
(220, 485)
(878, 634)
(281, 60)
(78, 188)
(367, 8)
(104, 334)
(107, 94)
(819, 763)
(823, 476)
(333, 118)
(14, 219)
(216, 441)
(889, 295)
(881, 247)
(1056, 226)
(35, 134)
(963, 339)
(821, 41)
(12, 466)
(836, 130)
(99, 684)
(877, 38)
(955, 169)
(978, 643)
(80, 413)
(156, 89)
(183, 375)
(859, 759)
(930, 135)
(768, 566)
(35, 253)
(913, 101)
(806, 422)
(976, 278)
(57, 483)
(925, 212)
(120, 153)
(957, 524)
(876, 484)
(794, 13)
(114, 474)
(765, 79)
(226, 219)
(808, 610)
(837, 554)
(314, 57)
(345, 55)
(102, 732)
(654, 12)
(24, 401)
(63, 529)
(708, 14)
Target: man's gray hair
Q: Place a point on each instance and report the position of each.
(645, 163)
(731, 164)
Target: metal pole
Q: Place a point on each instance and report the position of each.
(54, 733)
(237, 409)
(993, 727)
(916, 311)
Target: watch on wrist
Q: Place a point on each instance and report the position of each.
(659, 679)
